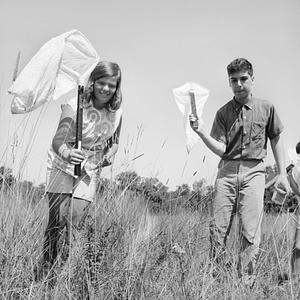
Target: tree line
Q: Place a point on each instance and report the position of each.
(154, 193)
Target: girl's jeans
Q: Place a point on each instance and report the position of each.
(66, 214)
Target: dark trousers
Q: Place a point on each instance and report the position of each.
(64, 212)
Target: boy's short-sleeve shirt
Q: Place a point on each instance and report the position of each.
(245, 128)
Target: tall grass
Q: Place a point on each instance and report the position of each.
(125, 251)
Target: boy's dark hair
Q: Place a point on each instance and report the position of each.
(298, 148)
(239, 64)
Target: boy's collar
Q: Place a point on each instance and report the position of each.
(237, 105)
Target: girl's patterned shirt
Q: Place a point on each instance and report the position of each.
(98, 126)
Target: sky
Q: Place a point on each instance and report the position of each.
(159, 46)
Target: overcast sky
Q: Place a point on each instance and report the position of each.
(159, 45)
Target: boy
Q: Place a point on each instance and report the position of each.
(239, 136)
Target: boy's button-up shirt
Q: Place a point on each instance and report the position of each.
(245, 128)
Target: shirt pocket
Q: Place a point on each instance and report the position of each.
(258, 131)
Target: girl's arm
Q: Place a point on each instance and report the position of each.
(60, 145)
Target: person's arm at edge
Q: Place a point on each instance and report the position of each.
(293, 184)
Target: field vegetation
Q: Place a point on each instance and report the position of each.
(139, 241)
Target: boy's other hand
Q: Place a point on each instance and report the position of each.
(282, 184)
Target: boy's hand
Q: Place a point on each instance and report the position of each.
(196, 126)
(282, 184)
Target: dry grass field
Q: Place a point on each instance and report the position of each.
(125, 251)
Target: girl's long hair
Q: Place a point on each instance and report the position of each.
(105, 69)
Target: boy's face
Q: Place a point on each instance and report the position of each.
(241, 85)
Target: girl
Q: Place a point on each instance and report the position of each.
(102, 117)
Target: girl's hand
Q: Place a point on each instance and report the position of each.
(73, 156)
(106, 162)
(109, 155)
(76, 156)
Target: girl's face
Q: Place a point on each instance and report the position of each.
(104, 90)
